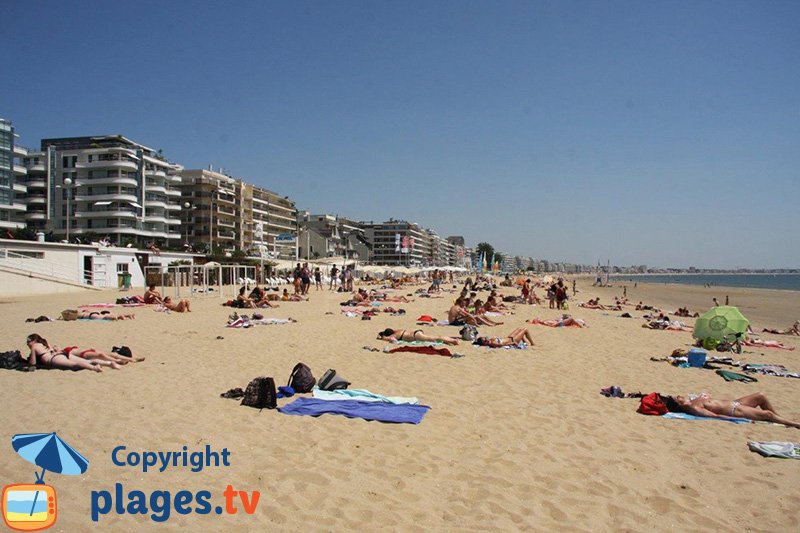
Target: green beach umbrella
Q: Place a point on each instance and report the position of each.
(720, 321)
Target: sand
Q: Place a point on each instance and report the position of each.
(515, 439)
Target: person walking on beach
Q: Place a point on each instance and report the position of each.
(334, 277)
(318, 278)
(574, 290)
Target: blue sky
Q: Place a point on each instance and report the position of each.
(663, 133)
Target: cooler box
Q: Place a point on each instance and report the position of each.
(697, 357)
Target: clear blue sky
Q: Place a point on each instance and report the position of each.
(664, 133)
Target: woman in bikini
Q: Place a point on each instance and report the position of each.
(91, 354)
(103, 315)
(794, 330)
(517, 336)
(750, 341)
(752, 407)
(43, 355)
(564, 321)
(396, 335)
(180, 307)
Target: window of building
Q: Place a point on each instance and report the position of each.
(122, 267)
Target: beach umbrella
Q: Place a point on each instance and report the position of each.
(50, 452)
(720, 321)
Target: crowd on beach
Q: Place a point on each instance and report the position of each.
(468, 311)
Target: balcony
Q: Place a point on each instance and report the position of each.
(226, 211)
(19, 170)
(37, 167)
(117, 197)
(226, 235)
(155, 203)
(36, 183)
(32, 215)
(174, 207)
(225, 224)
(116, 180)
(174, 222)
(110, 213)
(156, 218)
(173, 192)
(111, 163)
(153, 187)
(38, 200)
(20, 187)
(20, 151)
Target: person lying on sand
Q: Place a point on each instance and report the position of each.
(394, 335)
(564, 321)
(261, 298)
(90, 354)
(755, 407)
(458, 316)
(42, 355)
(180, 307)
(684, 312)
(667, 325)
(103, 315)
(383, 297)
(517, 336)
(751, 341)
(793, 330)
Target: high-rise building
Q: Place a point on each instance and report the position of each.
(226, 212)
(269, 222)
(397, 242)
(110, 186)
(345, 237)
(12, 179)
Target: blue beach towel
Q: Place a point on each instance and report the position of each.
(687, 416)
(361, 395)
(382, 412)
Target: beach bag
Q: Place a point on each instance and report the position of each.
(652, 404)
(468, 333)
(301, 379)
(69, 314)
(260, 393)
(330, 380)
(12, 361)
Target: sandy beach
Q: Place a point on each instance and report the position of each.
(514, 440)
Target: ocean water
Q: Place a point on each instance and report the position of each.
(790, 282)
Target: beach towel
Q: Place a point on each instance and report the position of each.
(430, 350)
(687, 416)
(727, 375)
(785, 450)
(382, 412)
(362, 395)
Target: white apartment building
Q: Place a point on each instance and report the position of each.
(107, 186)
(12, 179)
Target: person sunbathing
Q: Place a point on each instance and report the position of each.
(517, 336)
(756, 407)
(42, 355)
(667, 325)
(593, 304)
(180, 307)
(243, 301)
(458, 316)
(383, 297)
(395, 335)
(286, 297)
(91, 354)
(152, 296)
(751, 341)
(103, 315)
(564, 321)
(793, 330)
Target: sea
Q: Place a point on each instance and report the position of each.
(786, 282)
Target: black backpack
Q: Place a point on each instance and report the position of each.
(12, 361)
(301, 379)
(260, 393)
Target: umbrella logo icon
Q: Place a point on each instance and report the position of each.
(32, 507)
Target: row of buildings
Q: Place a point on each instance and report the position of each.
(112, 187)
